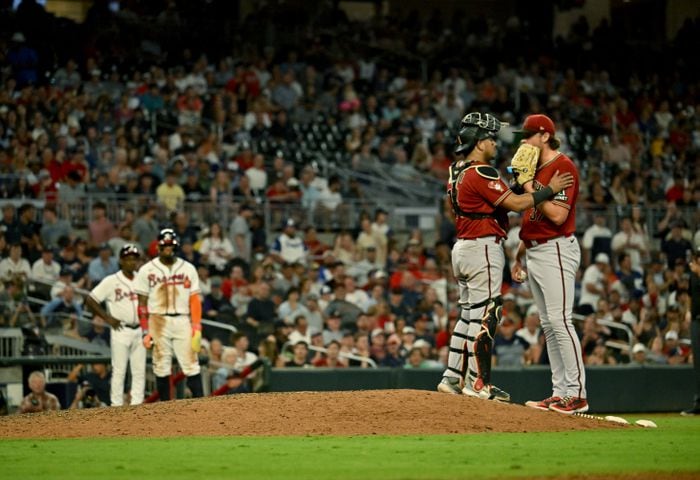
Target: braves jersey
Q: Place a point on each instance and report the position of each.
(118, 292)
(536, 226)
(168, 288)
(291, 249)
(481, 190)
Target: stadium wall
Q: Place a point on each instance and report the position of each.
(610, 389)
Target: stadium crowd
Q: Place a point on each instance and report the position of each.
(177, 141)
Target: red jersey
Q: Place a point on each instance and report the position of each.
(538, 227)
(481, 190)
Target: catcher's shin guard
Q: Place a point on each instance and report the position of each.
(194, 383)
(483, 341)
(163, 386)
(457, 358)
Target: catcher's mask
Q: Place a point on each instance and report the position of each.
(475, 127)
(168, 238)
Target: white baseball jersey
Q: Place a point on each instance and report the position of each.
(168, 287)
(118, 292)
(291, 249)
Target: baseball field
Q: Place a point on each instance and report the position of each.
(388, 434)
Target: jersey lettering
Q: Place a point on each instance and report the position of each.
(120, 294)
(177, 279)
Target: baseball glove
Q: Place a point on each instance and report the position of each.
(524, 163)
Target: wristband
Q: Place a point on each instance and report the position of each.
(541, 195)
(142, 311)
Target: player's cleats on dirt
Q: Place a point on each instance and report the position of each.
(570, 405)
(542, 404)
(449, 385)
(486, 392)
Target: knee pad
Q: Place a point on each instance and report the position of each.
(493, 316)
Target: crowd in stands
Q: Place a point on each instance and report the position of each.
(179, 141)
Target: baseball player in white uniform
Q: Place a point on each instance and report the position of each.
(170, 313)
(117, 291)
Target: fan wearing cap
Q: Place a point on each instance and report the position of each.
(170, 313)
(289, 247)
(117, 292)
(553, 258)
(480, 201)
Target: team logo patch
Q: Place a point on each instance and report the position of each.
(187, 283)
(495, 185)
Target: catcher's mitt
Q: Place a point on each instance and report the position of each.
(524, 163)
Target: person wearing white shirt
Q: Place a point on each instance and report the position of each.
(598, 230)
(630, 242)
(289, 247)
(329, 204)
(216, 249)
(241, 343)
(355, 295)
(301, 332)
(530, 332)
(593, 283)
(46, 270)
(257, 174)
(14, 265)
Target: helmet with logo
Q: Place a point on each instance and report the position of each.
(168, 238)
(129, 249)
(476, 126)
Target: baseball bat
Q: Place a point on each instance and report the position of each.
(608, 418)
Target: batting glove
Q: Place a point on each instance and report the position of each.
(196, 339)
(147, 340)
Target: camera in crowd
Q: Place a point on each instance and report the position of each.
(90, 398)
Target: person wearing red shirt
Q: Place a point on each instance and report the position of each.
(553, 258)
(480, 200)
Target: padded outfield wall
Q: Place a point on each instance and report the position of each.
(610, 389)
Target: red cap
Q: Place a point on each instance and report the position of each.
(539, 123)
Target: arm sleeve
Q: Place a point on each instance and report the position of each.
(276, 246)
(195, 309)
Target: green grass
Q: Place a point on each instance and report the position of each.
(674, 446)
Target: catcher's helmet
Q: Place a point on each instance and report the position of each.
(476, 126)
(167, 238)
(129, 249)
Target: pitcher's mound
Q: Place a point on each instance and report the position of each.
(367, 412)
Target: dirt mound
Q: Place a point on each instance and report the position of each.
(368, 412)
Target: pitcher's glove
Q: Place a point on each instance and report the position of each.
(524, 163)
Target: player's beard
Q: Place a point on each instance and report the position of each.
(167, 257)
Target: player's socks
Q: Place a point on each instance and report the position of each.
(194, 383)
(163, 386)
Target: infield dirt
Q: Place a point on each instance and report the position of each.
(368, 412)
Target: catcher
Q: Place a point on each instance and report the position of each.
(480, 201)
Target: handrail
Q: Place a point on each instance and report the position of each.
(619, 326)
(350, 356)
(87, 313)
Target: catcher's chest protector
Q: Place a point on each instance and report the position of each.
(457, 169)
